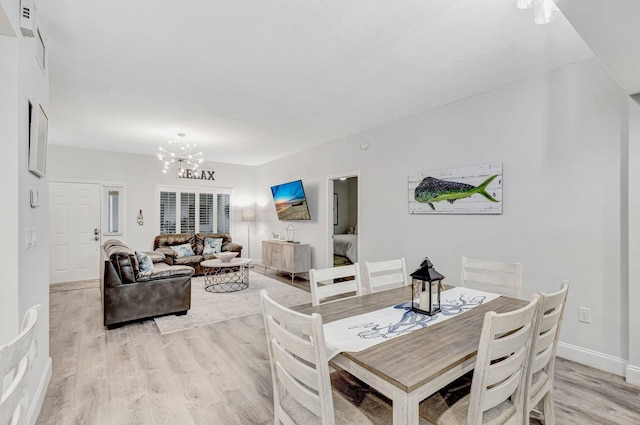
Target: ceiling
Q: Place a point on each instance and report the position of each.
(252, 81)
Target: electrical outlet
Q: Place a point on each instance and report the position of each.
(584, 314)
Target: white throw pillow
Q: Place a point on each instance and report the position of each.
(183, 250)
(144, 262)
(212, 246)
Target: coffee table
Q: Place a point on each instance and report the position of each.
(226, 276)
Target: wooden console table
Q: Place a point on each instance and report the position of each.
(293, 258)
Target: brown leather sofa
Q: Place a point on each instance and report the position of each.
(163, 244)
(128, 294)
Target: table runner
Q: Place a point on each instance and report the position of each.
(366, 330)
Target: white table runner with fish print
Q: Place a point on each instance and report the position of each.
(366, 330)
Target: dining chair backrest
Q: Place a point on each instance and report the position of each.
(16, 358)
(299, 364)
(542, 357)
(334, 281)
(383, 275)
(499, 374)
(492, 276)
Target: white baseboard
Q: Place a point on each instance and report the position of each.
(592, 358)
(38, 398)
(633, 375)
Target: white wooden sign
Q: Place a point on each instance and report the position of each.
(470, 190)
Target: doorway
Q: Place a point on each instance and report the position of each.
(343, 213)
(74, 214)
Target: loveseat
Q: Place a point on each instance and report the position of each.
(163, 244)
(131, 292)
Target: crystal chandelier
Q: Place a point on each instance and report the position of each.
(180, 154)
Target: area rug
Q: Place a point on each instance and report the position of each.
(208, 307)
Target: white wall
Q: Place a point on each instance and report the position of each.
(559, 137)
(9, 322)
(141, 174)
(24, 281)
(633, 369)
(34, 262)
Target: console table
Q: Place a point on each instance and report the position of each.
(289, 257)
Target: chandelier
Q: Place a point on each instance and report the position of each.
(180, 155)
(545, 11)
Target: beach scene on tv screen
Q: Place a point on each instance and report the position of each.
(290, 201)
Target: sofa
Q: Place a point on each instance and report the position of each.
(163, 244)
(129, 294)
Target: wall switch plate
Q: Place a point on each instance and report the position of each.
(34, 236)
(584, 314)
(34, 198)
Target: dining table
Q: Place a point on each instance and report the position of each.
(411, 367)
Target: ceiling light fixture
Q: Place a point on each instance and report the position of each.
(545, 11)
(180, 154)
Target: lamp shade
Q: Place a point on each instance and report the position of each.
(248, 215)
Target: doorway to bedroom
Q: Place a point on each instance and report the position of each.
(343, 213)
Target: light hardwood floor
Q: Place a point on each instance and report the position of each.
(219, 374)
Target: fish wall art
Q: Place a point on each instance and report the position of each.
(470, 190)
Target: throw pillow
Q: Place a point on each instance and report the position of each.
(183, 250)
(144, 262)
(212, 246)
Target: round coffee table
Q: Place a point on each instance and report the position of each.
(226, 276)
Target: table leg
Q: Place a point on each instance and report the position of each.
(401, 409)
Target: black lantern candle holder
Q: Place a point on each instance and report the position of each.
(422, 283)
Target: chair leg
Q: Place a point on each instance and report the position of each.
(548, 408)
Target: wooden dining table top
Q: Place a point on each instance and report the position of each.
(409, 361)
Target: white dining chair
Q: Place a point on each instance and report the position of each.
(302, 386)
(496, 394)
(16, 358)
(492, 276)
(327, 284)
(383, 275)
(539, 387)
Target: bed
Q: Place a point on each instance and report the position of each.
(346, 246)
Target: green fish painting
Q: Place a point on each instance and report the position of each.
(432, 190)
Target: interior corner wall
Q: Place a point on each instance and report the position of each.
(141, 174)
(633, 368)
(24, 280)
(9, 312)
(342, 189)
(33, 86)
(558, 136)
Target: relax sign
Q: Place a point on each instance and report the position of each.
(198, 175)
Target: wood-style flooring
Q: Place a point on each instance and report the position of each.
(219, 374)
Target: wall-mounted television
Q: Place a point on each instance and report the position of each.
(290, 201)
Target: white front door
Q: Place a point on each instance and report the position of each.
(74, 211)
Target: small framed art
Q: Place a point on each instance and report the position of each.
(38, 135)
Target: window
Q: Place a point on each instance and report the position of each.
(198, 210)
(112, 210)
(167, 212)
(187, 213)
(206, 212)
